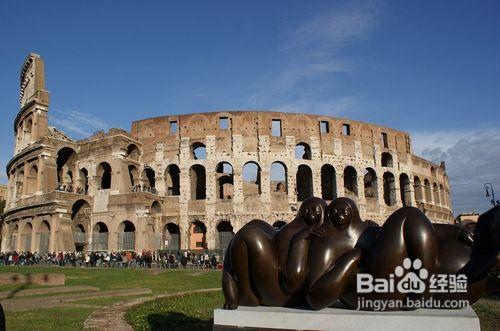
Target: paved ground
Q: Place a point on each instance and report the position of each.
(112, 317)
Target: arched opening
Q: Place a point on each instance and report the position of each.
(417, 187)
(28, 129)
(126, 236)
(32, 180)
(302, 151)
(370, 183)
(43, 237)
(304, 182)
(103, 176)
(156, 207)
(19, 183)
(389, 189)
(197, 178)
(172, 237)
(387, 160)
(172, 180)
(66, 164)
(133, 174)
(251, 179)
(83, 181)
(278, 178)
(437, 200)
(433, 172)
(328, 182)
(100, 237)
(404, 186)
(148, 179)
(441, 195)
(133, 152)
(199, 151)
(80, 237)
(80, 218)
(351, 182)
(278, 225)
(26, 237)
(225, 180)
(225, 235)
(197, 236)
(428, 194)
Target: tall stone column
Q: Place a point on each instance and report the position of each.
(316, 181)
(340, 184)
(25, 179)
(361, 193)
(397, 188)
(412, 192)
(380, 193)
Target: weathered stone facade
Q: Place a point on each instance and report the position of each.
(3, 192)
(188, 181)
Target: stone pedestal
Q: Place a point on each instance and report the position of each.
(277, 318)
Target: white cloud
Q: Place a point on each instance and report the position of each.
(311, 48)
(334, 28)
(333, 107)
(472, 159)
(77, 123)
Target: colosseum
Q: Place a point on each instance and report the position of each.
(190, 181)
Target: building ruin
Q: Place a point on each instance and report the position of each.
(191, 181)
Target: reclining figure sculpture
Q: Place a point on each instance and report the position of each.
(323, 254)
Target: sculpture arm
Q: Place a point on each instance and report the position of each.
(329, 287)
(297, 260)
(296, 263)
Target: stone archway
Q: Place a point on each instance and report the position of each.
(197, 236)
(126, 236)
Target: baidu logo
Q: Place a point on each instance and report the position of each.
(411, 282)
(411, 277)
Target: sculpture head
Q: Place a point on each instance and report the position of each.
(312, 211)
(341, 212)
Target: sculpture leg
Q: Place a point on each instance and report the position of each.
(328, 289)
(254, 267)
(406, 233)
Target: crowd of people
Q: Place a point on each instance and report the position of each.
(140, 188)
(69, 188)
(125, 259)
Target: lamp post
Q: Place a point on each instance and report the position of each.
(489, 187)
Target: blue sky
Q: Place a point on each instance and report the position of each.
(430, 68)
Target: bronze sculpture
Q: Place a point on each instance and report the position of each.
(315, 259)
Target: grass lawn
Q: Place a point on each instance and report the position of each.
(188, 312)
(72, 318)
(488, 311)
(195, 312)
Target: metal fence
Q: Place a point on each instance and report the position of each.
(44, 242)
(80, 237)
(26, 240)
(171, 241)
(126, 241)
(224, 239)
(99, 242)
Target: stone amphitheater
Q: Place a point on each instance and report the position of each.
(190, 181)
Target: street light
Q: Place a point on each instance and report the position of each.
(489, 187)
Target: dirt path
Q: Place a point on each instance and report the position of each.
(39, 291)
(62, 300)
(112, 317)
